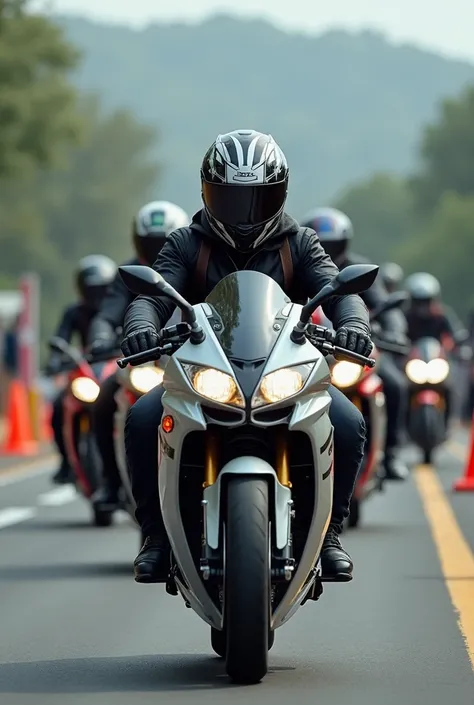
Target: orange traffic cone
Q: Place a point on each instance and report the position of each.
(19, 439)
(466, 482)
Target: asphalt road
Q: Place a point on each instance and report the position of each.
(76, 629)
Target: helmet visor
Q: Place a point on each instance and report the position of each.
(244, 205)
(148, 247)
(334, 248)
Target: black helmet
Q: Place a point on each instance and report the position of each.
(93, 276)
(334, 229)
(392, 276)
(423, 287)
(244, 182)
(152, 225)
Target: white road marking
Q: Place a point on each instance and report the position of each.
(58, 496)
(15, 515)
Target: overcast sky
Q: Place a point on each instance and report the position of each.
(443, 25)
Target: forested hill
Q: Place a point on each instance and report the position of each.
(341, 105)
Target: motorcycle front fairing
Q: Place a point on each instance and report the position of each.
(247, 320)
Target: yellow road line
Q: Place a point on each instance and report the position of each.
(455, 555)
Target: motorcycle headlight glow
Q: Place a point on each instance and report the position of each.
(432, 372)
(438, 370)
(345, 374)
(143, 379)
(214, 384)
(281, 384)
(85, 389)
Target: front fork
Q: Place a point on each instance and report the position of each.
(284, 563)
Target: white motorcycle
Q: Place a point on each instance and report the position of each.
(246, 454)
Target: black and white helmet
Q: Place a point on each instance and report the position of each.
(152, 225)
(244, 181)
(94, 273)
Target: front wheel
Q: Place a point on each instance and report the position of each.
(102, 518)
(247, 580)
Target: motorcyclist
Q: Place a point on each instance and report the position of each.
(150, 227)
(93, 275)
(428, 317)
(244, 180)
(392, 276)
(335, 232)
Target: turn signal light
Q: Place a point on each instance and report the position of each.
(167, 424)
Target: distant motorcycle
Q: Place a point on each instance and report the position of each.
(428, 372)
(84, 378)
(134, 382)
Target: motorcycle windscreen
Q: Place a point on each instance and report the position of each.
(247, 303)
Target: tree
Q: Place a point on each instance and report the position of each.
(37, 104)
(445, 248)
(447, 154)
(380, 209)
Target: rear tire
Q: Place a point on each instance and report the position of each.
(247, 580)
(427, 457)
(102, 518)
(218, 642)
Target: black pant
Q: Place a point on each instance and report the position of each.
(57, 420)
(396, 398)
(103, 426)
(141, 444)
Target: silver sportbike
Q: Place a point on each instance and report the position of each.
(246, 453)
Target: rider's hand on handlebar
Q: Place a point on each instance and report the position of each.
(354, 341)
(140, 340)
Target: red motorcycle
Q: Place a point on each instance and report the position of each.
(364, 388)
(84, 379)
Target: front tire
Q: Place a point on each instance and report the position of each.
(247, 580)
(102, 518)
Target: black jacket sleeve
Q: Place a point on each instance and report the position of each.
(68, 324)
(315, 269)
(116, 301)
(175, 265)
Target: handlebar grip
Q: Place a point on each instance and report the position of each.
(145, 356)
(353, 357)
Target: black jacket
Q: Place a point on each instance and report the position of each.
(76, 320)
(112, 311)
(393, 321)
(177, 263)
(439, 322)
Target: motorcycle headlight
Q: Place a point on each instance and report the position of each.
(345, 374)
(143, 379)
(417, 371)
(281, 384)
(438, 370)
(85, 389)
(214, 384)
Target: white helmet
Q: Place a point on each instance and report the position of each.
(152, 225)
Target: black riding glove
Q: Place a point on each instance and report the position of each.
(103, 346)
(354, 341)
(139, 341)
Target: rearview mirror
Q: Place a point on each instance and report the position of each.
(140, 279)
(355, 279)
(144, 281)
(351, 280)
